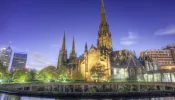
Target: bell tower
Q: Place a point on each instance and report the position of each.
(73, 54)
(104, 36)
(62, 59)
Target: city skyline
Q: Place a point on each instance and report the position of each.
(133, 29)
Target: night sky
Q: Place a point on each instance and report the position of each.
(37, 26)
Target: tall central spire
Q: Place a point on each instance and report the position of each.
(104, 36)
(103, 14)
(104, 27)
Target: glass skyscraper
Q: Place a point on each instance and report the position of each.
(19, 60)
(5, 55)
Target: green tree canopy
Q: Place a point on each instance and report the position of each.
(21, 75)
(77, 75)
(62, 74)
(4, 73)
(98, 71)
(47, 73)
(33, 73)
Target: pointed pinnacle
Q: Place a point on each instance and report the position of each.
(103, 14)
(102, 7)
(73, 46)
(64, 42)
(86, 48)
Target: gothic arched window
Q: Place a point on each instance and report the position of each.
(132, 72)
(151, 67)
(139, 71)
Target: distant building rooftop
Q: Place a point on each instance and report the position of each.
(20, 53)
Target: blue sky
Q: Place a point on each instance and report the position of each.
(37, 26)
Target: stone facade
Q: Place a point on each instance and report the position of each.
(125, 65)
(102, 54)
(94, 55)
(165, 56)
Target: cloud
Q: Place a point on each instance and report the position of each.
(54, 45)
(38, 61)
(166, 31)
(128, 42)
(38, 58)
(35, 60)
(130, 39)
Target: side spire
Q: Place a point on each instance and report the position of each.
(86, 48)
(73, 46)
(73, 54)
(64, 42)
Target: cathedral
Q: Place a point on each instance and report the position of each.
(102, 54)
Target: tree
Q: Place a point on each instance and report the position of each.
(62, 74)
(1, 64)
(98, 71)
(4, 73)
(77, 75)
(21, 75)
(33, 74)
(47, 73)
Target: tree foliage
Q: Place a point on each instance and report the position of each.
(51, 73)
(4, 73)
(47, 73)
(1, 64)
(62, 74)
(98, 71)
(77, 75)
(33, 74)
(21, 75)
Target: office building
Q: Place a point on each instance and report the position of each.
(5, 55)
(165, 56)
(19, 60)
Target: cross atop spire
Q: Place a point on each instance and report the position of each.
(64, 42)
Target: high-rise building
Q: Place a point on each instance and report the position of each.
(165, 56)
(5, 55)
(19, 60)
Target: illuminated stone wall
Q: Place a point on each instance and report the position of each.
(158, 77)
(119, 73)
(92, 58)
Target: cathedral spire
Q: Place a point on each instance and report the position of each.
(73, 46)
(103, 14)
(104, 35)
(64, 42)
(86, 48)
(62, 59)
(73, 54)
(104, 27)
